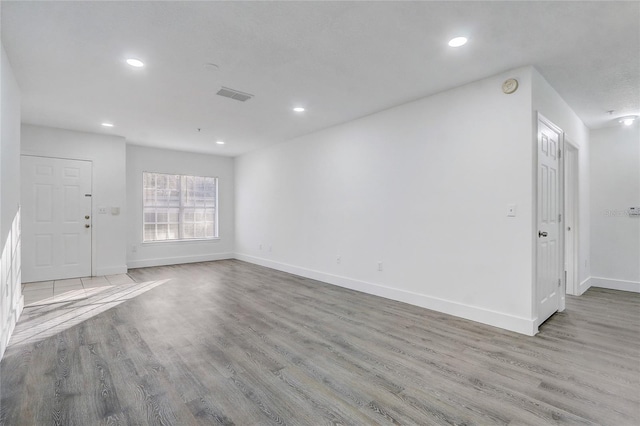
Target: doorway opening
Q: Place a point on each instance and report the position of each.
(571, 222)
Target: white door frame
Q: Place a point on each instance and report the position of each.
(561, 261)
(571, 223)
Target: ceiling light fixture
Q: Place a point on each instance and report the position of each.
(628, 121)
(298, 109)
(220, 142)
(135, 62)
(107, 124)
(458, 41)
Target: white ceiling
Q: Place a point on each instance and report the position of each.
(340, 60)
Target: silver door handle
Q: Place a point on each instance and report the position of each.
(542, 234)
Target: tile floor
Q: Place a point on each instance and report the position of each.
(47, 292)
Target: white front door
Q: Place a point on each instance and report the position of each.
(56, 218)
(548, 234)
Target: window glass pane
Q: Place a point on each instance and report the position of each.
(188, 183)
(188, 231)
(162, 216)
(174, 232)
(161, 232)
(149, 180)
(149, 196)
(173, 182)
(149, 232)
(174, 215)
(162, 197)
(178, 207)
(199, 230)
(174, 198)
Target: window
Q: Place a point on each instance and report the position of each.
(178, 207)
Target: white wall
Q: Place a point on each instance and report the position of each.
(549, 103)
(615, 186)
(107, 154)
(422, 187)
(141, 159)
(11, 300)
(10, 150)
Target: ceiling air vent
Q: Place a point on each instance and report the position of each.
(234, 94)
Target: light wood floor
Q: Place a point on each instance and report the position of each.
(232, 343)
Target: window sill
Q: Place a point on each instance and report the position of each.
(191, 240)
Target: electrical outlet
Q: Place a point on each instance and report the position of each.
(379, 266)
(511, 210)
(102, 210)
(338, 259)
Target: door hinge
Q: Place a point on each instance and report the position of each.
(559, 153)
(560, 217)
(559, 282)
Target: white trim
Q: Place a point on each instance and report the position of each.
(188, 240)
(614, 284)
(110, 270)
(584, 286)
(144, 263)
(473, 313)
(571, 209)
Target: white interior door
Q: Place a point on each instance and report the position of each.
(549, 242)
(56, 218)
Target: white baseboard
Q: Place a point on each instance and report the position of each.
(473, 313)
(612, 284)
(110, 270)
(584, 286)
(144, 263)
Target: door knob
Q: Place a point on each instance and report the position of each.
(87, 226)
(542, 234)
(86, 217)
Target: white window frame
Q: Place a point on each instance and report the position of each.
(181, 208)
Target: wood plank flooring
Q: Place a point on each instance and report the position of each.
(228, 342)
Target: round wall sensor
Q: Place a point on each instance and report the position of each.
(509, 86)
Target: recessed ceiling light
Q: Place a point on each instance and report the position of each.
(627, 121)
(107, 124)
(220, 142)
(457, 41)
(135, 62)
(298, 109)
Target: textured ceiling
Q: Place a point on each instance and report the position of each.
(341, 60)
